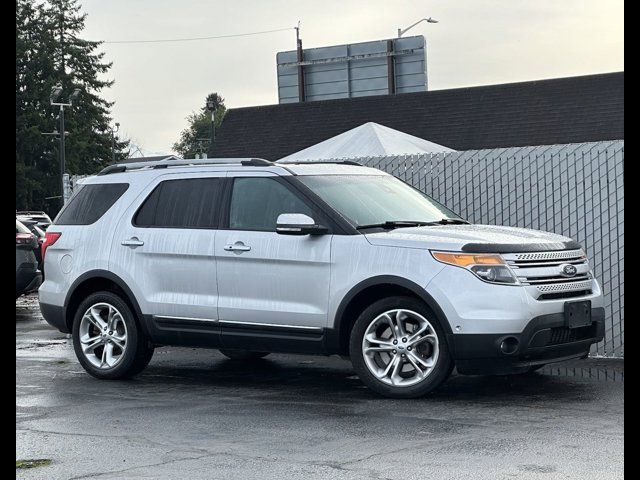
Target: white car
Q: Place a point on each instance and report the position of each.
(252, 257)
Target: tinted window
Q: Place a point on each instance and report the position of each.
(90, 203)
(186, 203)
(257, 202)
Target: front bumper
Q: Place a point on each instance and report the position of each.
(545, 339)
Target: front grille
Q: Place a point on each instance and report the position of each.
(562, 335)
(556, 296)
(544, 271)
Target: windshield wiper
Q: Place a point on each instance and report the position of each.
(449, 221)
(391, 224)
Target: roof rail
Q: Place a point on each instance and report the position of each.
(155, 164)
(332, 162)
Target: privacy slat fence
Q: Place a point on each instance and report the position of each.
(575, 190)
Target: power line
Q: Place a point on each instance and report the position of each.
(166, 40)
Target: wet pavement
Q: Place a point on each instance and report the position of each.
(194, 414)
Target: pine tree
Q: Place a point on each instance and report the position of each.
(195, 139)
(49, 52)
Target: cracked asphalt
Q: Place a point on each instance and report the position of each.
(194, 414)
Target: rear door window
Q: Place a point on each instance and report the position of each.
(184, 203)
(90, 203)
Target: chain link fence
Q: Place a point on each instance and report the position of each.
(575, 190)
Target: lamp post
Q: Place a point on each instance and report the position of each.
(113, 141)
(55, 94)
(403, 31)
(211, 106)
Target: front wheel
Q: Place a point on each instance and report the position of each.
(398, 348)
(535, 368)
(106, 338)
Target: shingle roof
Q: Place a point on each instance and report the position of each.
(561, 110)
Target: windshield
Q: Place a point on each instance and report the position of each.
(376, 199)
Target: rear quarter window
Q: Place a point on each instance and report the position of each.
(90, 203)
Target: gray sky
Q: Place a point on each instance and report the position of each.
(477, 42)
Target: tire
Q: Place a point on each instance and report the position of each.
(430, 355)
(125, 362)
(242, 354)
(535, 368)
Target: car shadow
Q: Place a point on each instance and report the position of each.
(314, 378)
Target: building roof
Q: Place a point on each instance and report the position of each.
(368, 140)
(562, 110)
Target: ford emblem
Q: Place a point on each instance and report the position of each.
(568, 270)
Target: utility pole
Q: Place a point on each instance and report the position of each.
(62, 151)
(55, 93)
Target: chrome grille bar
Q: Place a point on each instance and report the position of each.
(544, 271)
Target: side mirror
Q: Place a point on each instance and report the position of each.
(298, 224)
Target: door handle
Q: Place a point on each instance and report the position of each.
(237, 247)
(132, 242)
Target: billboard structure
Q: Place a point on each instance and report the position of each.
(380, 67)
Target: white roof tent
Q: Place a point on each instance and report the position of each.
(368, 140)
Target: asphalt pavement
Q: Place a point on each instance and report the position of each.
(193, 414)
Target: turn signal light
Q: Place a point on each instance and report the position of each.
(488, 267)
(466, 260)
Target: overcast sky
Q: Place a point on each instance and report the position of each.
(477, 42)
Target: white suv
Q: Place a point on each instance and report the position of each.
(253, 257)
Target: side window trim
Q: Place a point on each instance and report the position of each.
(157, 185)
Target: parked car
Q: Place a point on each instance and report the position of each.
(43, 220)
(28, 276)
(33, 227)
(252, 257)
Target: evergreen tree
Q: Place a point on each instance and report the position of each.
(50, 52)
(195, 139)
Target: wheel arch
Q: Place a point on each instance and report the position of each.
(97, 280)
(363, 294)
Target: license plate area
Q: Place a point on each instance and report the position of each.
(577, 314)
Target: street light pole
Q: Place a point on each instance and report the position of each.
(113, 142)
(211, 106)
(403, 31)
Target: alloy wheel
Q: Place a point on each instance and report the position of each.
(103, 335)
(400, 347)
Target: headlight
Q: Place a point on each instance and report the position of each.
(487, 267)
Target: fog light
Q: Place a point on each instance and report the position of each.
(509, 345)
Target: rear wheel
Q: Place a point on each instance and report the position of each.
(242, 354)
(398, 348)
(107, 339)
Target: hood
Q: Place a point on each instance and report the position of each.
(473, 238)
